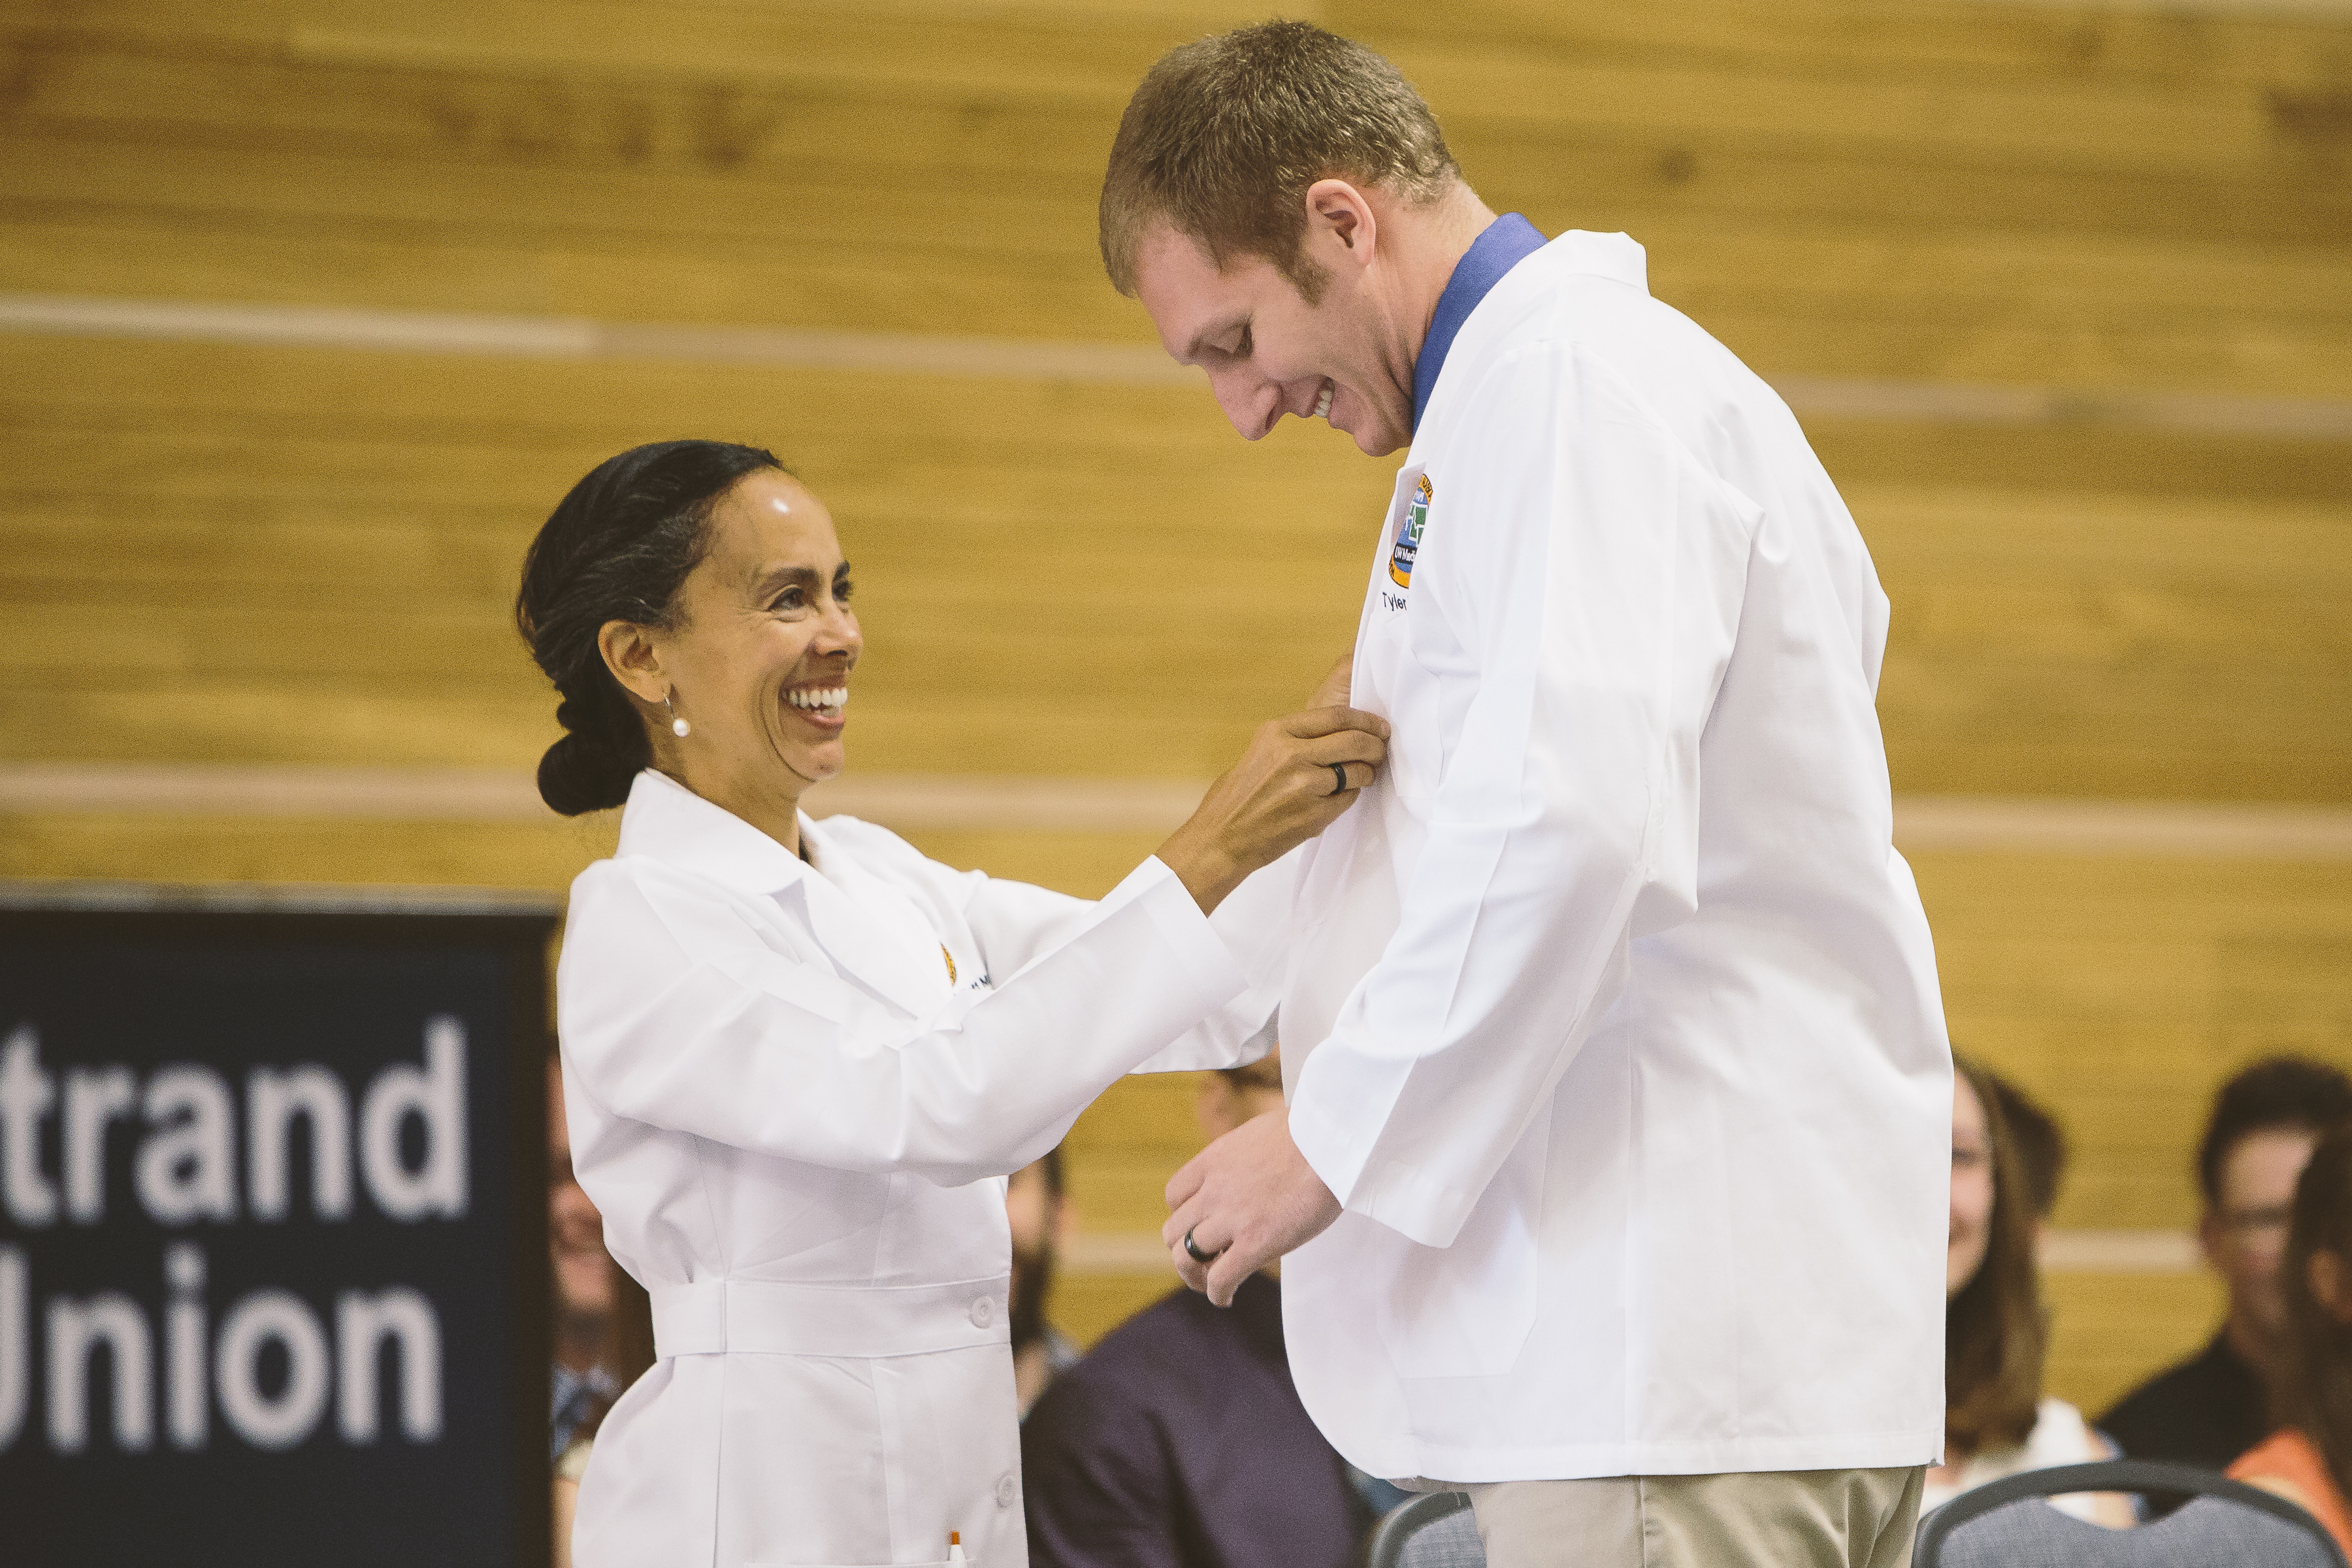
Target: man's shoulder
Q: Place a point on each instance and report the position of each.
(1615, 343)
(1155, 1357)
(1167, 1331)
(2210, 1371)
(2201, 1398)
(1123, 1379)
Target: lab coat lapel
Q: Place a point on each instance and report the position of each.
(871, 929)
(846, 907)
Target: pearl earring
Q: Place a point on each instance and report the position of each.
(677, 726)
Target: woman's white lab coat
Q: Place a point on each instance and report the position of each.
(788, 1089)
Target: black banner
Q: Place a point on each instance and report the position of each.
(273, 1256)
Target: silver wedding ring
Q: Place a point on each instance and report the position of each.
(1338, 772)
(1197, 1256)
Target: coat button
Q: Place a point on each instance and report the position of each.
(984, 1312)
(1005, 1492)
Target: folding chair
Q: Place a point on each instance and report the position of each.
(1434, 1529)
(2007, 1525)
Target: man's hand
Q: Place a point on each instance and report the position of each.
(1247, 1199)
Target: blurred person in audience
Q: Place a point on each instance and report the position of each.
(1179, 1442)
(799, 1057)
(1996, 1422)
(1038, 1209)
(2309, 1463)
(2209, 1409)
(581, 1290)
(622, 1354)
(2041, 1147)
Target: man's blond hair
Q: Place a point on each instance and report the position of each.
(1225, 134)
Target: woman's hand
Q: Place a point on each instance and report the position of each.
(1299, 774)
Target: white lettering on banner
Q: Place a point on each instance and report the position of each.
(186, 1405)
(187, 1170)
(92, 1099)
(261, 1420)
(25, 1093)
(75, 1329)
(362, 1325)
(437, 1097)
(367, 1324)
(272, 1100)
(386, 1343)
(16, 1346)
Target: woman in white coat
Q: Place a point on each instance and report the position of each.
(795, 1054)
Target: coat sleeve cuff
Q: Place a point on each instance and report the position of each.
(1200, 954)
(1406, 1201)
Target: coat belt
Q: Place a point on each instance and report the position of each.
(720, 1317)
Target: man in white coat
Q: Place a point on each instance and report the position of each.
(1616, 1157)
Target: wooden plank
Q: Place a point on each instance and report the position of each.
(2167, 46)
(2134, 645)
(441, 127)
(1008, 58)
(1565, 178)
(2101, 332)
(2067, 42)
(542, 857)
(2111, 1331)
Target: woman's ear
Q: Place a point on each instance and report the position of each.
(634, 659)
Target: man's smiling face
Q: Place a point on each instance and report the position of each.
(1267, 351)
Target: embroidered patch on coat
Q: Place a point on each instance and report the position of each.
(1408, 538)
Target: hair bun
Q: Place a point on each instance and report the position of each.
(580, 775)
(616, 548)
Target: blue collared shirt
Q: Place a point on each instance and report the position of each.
(1501, 246)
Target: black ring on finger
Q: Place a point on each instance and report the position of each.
(1338, 772)
(1193, 1251)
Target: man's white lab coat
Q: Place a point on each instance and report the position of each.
(787, 1090)
(1612, 1015)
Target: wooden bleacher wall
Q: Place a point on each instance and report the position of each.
(2063, 294)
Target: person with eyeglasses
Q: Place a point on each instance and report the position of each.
(2209, 1409)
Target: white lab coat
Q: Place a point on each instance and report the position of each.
(788, 1111)
(1611, 1017)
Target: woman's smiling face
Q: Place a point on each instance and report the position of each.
(757, 660)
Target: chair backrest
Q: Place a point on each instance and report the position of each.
(1434, 1529)
(2007, 1525)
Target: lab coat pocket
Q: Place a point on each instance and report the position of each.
(1466, 1310)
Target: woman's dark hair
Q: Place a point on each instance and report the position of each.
(1995, 1331)
(2317, 1391)
(616, 549)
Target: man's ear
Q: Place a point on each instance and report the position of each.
(636, 662)
(1336, 211)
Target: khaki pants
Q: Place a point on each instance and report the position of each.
(1773, 1519)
